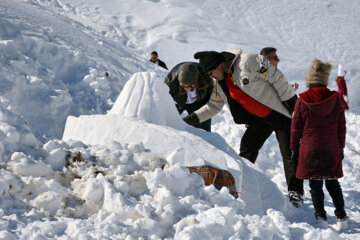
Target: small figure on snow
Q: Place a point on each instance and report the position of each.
(317, 141)
(342, 89)
(155, 59)
(190, 88)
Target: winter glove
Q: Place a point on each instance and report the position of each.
(191, 119)
(342, 153)
(295, 155)
(290, 104)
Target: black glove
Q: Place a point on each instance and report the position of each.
(191, 119)
(342, 153)
(290, 104)
(295, 155)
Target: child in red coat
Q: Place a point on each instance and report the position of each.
(317, 141)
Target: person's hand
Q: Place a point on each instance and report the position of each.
(290, 104)
(295, 86)
(191, 119)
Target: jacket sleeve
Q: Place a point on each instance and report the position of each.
(342, 86)
(342, 129)
(276, 78)
(172, 81)
(173, 84)
(213, 106)
(297, 127)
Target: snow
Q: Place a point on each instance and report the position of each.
(92, 146)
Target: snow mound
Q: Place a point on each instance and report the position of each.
(146, 97)
(131, 122)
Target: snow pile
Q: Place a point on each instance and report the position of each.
(146, 97)
(15, 135)
(131, 121)
(122, 187)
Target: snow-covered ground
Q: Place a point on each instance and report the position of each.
(126, 178)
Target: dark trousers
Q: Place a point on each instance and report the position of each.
(317, 196)
(190, 108)
(256, 135)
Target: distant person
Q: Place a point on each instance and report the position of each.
(190, 88)
(155, 59)
(318, 139)
(258, 95)
(342, 89)
(270, 54)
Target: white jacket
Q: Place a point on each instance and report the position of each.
(270, 90)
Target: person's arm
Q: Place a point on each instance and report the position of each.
(342, 88)
(173, 83)
(283, 88)
(210, 109)
(276, 78)
(258, 67)
(297, 127)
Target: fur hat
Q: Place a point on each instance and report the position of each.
(318, 73)
(209, 60)
(188, 74)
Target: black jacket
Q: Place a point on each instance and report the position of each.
(204, 87)
(161, 64)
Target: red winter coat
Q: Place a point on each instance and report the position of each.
(318, 131)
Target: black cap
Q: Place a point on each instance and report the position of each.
(209, 60)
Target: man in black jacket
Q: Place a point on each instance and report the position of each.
(190, 88)
(155, 59)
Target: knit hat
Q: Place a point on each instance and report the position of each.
(188, 74)
(318, 73)
(209, 60)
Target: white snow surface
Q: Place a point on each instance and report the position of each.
(92, 147)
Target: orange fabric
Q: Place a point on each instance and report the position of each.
(250, 105)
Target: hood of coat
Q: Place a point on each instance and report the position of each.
(319, 100)
(231, 56)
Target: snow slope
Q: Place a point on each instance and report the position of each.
(73, 57)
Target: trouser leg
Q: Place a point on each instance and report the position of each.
(334, 189)
(293, 183)
(317, 196)
(253, 139)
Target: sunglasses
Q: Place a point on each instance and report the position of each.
(276, 58)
